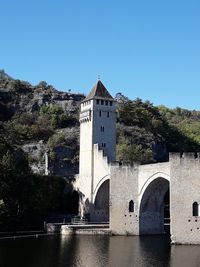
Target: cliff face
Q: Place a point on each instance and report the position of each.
(20, 96)
(52, 115)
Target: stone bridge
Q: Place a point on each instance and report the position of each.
(138, 196)
(126, 193)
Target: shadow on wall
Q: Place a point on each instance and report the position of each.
(154, 205)
(99, 211)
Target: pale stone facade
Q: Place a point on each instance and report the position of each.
(97, 150)
(131, 198)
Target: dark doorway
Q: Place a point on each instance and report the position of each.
(154, 207)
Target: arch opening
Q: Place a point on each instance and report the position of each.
(101, 203)
(155, 208)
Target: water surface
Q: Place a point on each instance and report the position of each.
(96, 251)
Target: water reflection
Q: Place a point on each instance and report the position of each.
(139, 251)
(97, 251)
(184, 256)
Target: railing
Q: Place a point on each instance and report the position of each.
(79, 221)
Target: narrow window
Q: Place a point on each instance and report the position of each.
(110, 103)
(195, 208)
(108, 114)
(102, 128)
(131, 206)
(97, 101)
(102, 102)
(104, 144)
(106, 102)
(99, 113)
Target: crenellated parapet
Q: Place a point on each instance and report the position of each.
(183, 157)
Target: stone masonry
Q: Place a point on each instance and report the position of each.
(131, 198)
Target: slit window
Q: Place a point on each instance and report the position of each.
(131, 206)
(97, 101)
(108, 114)
(110, 103)
(106, 102)
(195, 209)
(99, 113)
(102, 102)
(102, 128)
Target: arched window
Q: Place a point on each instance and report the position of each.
(131, 206)
(195, 209)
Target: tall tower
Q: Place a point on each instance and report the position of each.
(97, 126)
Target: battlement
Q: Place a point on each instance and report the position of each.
(184, 156)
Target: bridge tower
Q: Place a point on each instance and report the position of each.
(97, 135)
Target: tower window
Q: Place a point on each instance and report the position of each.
(103, 144)
(102, 102)
(97, 101)
(131, 206)
(195, 209)
(102, 128)
(106, 102)
(111, 103)
(99, 113)
(108, 114)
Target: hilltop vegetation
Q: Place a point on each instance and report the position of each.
(147, 133)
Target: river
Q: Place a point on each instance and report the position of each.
(96, 251)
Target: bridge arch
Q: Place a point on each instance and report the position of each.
(151, 204)
(101, 200)
(101, 181)
(150, 180)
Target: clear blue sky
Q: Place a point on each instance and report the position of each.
(145, 48)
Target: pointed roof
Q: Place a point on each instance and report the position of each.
(99, 91)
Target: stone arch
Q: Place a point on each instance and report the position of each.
(149, 181)
(152, 205)
(101, 202)
(101, 181)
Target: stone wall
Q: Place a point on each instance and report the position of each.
(185, 190)
(123, 189)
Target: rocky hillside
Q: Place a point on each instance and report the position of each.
(42, 121)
